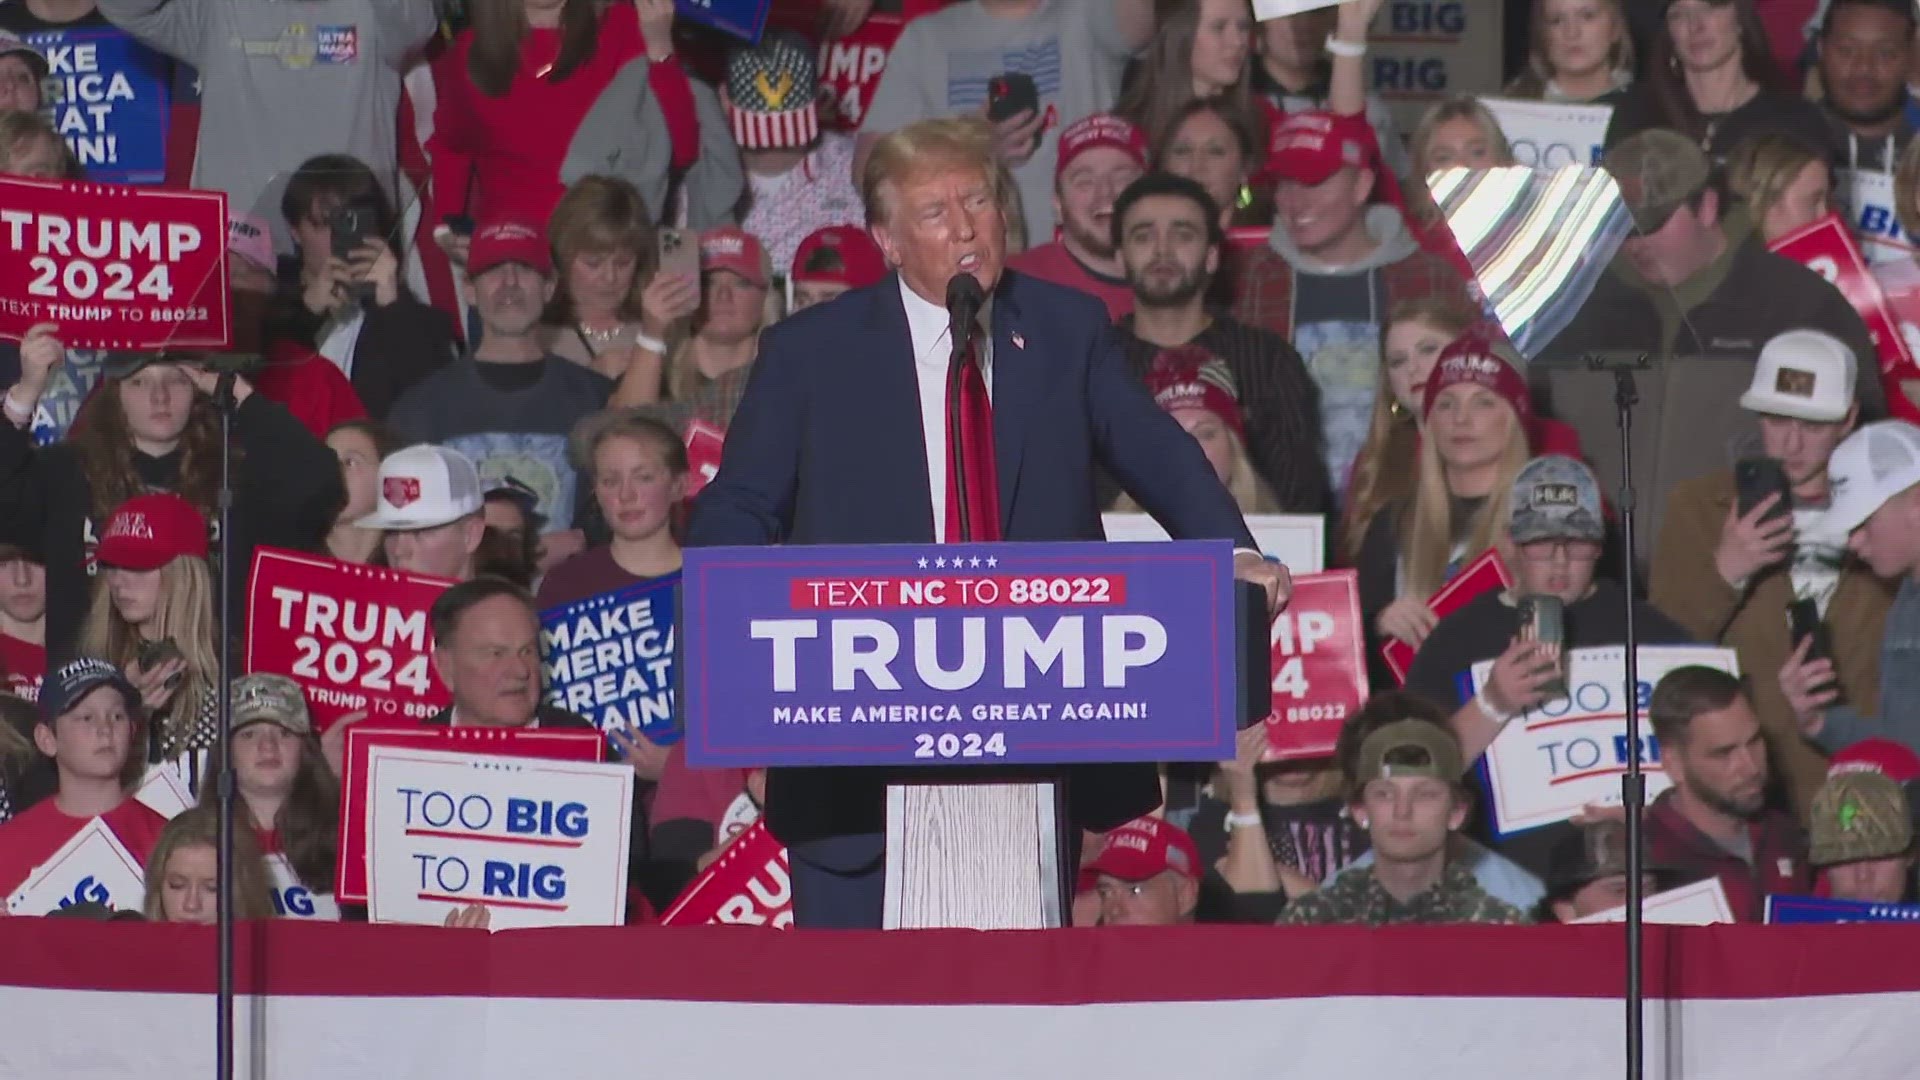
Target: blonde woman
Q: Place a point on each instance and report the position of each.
(1581, 53)
(25, 774)
(1784, 183)
(152, 616)
(1476, 411)
(1197, 389)
(612, 312)
(183, 876)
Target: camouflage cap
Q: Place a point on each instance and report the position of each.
(1555, 498)
(271, 698)
(1658, 170)
(1417, 748)
(1859, 815)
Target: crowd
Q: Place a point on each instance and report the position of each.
(489, 268)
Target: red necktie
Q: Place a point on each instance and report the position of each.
(970, 456)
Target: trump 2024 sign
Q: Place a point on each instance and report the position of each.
(958, 654)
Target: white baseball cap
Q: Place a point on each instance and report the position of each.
(1805, 374)
(1869, 467)
(424, 487)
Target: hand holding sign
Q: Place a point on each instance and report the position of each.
(40, 353)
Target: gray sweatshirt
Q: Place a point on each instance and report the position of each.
(284, 81)
(1899, 717)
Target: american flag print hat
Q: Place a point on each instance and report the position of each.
(772, 94)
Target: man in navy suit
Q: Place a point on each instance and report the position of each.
(841, 438)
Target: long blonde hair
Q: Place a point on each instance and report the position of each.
(1427, 540)
(1251, 493)
(1762, 168)
(1533, 79)
(185, 614)
(200, 826)
(1384, 470)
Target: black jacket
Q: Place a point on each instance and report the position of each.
(286, 491)
(399, 345)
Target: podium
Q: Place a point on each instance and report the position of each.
(965, 681)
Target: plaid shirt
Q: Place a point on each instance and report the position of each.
(1779, 864)
(1356, 896)
(1278, 403)
(1263, 292)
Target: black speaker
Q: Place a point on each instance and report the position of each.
(1254, 694)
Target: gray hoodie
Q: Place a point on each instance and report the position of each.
(284, 80)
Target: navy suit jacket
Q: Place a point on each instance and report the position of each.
(826, 447)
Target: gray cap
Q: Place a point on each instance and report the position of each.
(1658, 171)
(1556, 498)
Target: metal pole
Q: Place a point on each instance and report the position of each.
(224, 789)
(1633, 784)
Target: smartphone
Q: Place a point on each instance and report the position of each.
(1011, 94)
(152, 654)
(1756, 478)
(352, 226)
(460, 224)
(1543, 619)
(679, 252)
(1804, 621)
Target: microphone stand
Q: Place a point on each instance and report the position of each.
(1633, 784)
(224, 789)
(956, 371)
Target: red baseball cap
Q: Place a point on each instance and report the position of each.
(1100, 129)
(1147, 847)
(1896, 760)
(1311, 146)
(732, 248)
(1190, 377)
(149, 531)
(1472, 358)
(861, 263)
(505, 240)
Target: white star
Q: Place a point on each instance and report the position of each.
(976, 560)
(942, 561)
(923, 562)
(991, 561)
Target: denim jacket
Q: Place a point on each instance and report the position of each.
(1899, 717)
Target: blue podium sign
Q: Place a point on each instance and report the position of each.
(980, 654)
(1787, 910)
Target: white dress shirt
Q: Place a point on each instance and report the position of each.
(932, 348)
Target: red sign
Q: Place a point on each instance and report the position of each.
(1319, 666)
(850, 69)
(1489, 571)
(1828, 248)
(356, 638)
(114, 267)
(350, 872)
(704, 443)
(747, 885)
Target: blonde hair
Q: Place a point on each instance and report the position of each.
(1383, 471)
(17, 717)
(1533, 80)
(20, 130)
(682, 375)
(1762, 168)
(200, 827)
(185, 614)
(601, 215)
(1427, 540)
(925, 146)
(1458, 107)
(1250, 492)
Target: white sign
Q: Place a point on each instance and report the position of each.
(92, 866)
(1702, 903)
(1280, 9)
(163, 793)
(292, 899)
(1420, 51)
(1551, 135)
(1297, 540)
(1566, 754)
(538, 843)
(1870, 211)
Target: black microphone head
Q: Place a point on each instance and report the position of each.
(964, 290)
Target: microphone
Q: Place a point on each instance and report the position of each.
(964, 300)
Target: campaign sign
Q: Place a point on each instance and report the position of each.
(1703, 903)
(1783, 910)
(292, 899)
(93, 866)
(163, 793)
(1828, 249)
(1565, 754)
(850, 69)
(704, 443)
(1871, 204)
(609, 658)
(354, 637)
(537, 843)
(747, 885)
(1280, 9)
(1319, 666)
(350, 874)
(1297, 540)
(744, 19)
(114, 267)
(947, 654)
(1485, 574)
(108, 97)
(1551, 135)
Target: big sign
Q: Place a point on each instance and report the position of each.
(354, 637)
(92, 867)
(956, 654)
(609, 658)
(1319, 666)
(537, 843)
(1554, 760)
(114, 267)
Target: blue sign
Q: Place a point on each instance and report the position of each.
(1784, 910)
(958, 654)
(744, 19)
(609, 658)
(108, 97)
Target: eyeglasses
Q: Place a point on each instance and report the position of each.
(1546, 551)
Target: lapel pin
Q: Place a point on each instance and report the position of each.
(1019, 341)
